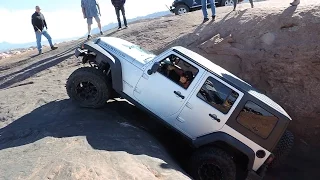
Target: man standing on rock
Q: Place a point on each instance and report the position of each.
(38, 21)
(119, 6)
(204, 9)
(89, 10)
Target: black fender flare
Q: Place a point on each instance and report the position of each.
(231, 141)
(103, 56)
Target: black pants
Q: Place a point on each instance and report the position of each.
(118, 9)
(235, 2)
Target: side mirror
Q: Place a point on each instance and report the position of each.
(154, 68)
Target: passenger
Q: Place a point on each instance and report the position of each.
(175, 60)
(186, 78)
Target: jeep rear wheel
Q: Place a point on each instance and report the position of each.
(88, 87)
(282, 149)
(212, 163)
(181, 9)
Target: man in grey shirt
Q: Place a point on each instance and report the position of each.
(90, 9)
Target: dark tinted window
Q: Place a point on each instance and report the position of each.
(257, 120)
(217, 95)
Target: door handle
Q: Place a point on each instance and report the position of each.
(214, 117)
(179, 94)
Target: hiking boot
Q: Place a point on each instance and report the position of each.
(89, 36)
(213, 18)
(119, 27)
(205, 20)
(295, 3)
(40, 52)
(54, 47)
(101, 32)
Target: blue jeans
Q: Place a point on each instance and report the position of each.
(204, 8)
(45, 34)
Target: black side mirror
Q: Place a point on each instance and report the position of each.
(154, 68)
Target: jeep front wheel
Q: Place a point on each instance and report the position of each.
(181, 9)
(212, 163)
(88, 87)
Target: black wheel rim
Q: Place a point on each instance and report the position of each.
(210, 171)
(86, 91)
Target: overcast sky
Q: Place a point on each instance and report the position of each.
(64, 17)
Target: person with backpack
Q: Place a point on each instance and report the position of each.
(119, 6)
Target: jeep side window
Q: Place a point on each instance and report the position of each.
(257, 119)
(217, 95)
(178, 70)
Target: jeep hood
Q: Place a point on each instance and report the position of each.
(127, 50)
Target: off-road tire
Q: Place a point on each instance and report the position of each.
(179, 6)
(220, 163)
(282, 149)
(92, 80)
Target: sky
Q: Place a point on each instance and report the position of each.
(64, 17)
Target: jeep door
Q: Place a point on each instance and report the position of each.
(161, 91)
(197, 3)
(209, 107)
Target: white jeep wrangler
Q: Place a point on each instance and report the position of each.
(224, 118)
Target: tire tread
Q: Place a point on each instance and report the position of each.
(96, 76)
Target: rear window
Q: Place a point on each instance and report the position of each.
(257, 119)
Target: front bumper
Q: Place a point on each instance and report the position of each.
(171, 9)
(80, 52)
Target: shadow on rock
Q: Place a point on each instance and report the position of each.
(105, 129)
(300, 158)
(35, 68)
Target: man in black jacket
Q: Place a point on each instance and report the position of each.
(119, 6)
(39, 22)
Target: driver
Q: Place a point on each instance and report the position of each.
(183, 78)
